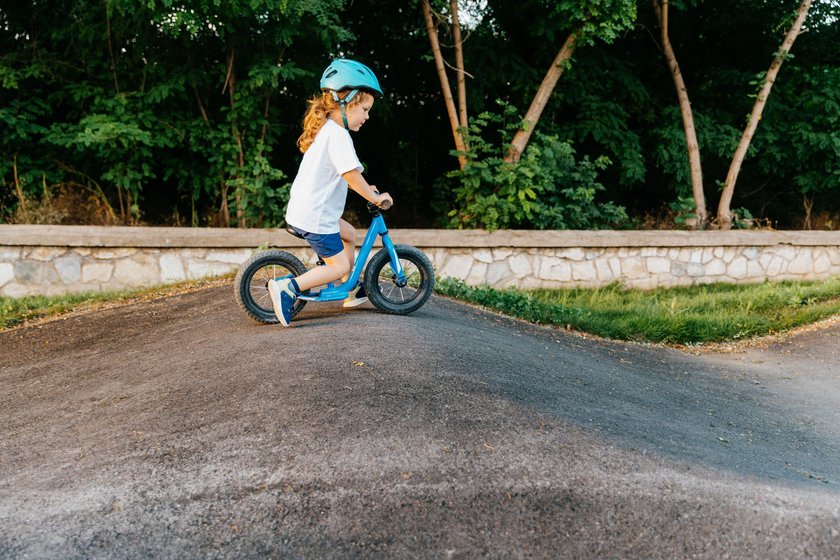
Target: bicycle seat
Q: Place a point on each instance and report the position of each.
(294, 232)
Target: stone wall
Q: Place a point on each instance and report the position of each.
(51, 260)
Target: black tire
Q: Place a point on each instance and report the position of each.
(381, 283)
(251, 283)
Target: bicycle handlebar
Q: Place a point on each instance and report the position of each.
(376, 207)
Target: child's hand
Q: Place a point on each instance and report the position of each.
(385, 201)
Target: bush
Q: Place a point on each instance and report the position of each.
(547, 189)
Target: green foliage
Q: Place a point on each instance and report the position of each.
(186, 108)
(684, 209)
(801, 136)
(547, 189)
(683, 315)
(187, 112)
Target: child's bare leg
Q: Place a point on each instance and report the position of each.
(348, 237)
(335, 267)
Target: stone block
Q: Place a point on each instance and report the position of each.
(751, 252)
(802, 263)
(69, 268)
(604, 272)
(112, 254)
(658, 265)
(139, 270)
(696, 256)
(633, 268)
(822, 263)
(15, 290)
(554, 268)
(645, 283)
(44, 253)
(695, 270)
(9, 253)
(171, 268)
(483, 256)
(715, 268)
(197, 269)
(232, 256)
(584, 270)
(7, 273)
(737, 269)
(520, 265)
(501, 254)
(499, 275)
(478, 274)
(754, 269)
(772, 264)
(457, 266)
(530, 283)
(99, 272)
(573, 254)
(35, 272)
(787, 252)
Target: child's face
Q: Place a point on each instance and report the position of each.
(358, 113)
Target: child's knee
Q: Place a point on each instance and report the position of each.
(340, 264)
(344, 268)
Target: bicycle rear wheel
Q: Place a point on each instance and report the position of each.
(385, 291)
(251, 283)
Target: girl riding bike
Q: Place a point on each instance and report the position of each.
(319, 191)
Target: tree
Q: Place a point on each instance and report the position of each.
(660, 8)
(724, 215)
(458, 125)
(589, 21)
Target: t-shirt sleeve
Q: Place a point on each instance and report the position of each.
(342, 153)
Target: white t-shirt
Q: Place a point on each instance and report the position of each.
(319, 192)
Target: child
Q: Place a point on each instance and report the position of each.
(319, 191)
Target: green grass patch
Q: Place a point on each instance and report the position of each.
(681, 315)
(17, 311)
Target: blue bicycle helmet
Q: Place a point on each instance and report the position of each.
(344, 74)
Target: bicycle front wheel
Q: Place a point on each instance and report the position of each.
(251, 283)
(387, 293)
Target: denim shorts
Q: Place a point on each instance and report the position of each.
(326, 245)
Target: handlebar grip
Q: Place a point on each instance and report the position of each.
(385, 204)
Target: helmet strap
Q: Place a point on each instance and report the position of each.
(343, 103)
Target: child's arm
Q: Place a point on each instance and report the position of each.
(358, 183)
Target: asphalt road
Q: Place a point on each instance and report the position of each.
(178, 428)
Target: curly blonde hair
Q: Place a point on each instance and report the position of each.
(319, 108)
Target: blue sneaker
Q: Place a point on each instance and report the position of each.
(283, 298)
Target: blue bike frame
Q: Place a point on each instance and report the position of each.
(340, 292)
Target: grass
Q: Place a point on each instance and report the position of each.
(682, 315)
(18, 311)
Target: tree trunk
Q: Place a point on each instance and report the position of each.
(444, 82)
(523, 135)
(687, 117)
(230, 83)
(459, 64)
(724, 216)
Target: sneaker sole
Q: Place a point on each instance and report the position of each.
(355, 302)
(274, 292)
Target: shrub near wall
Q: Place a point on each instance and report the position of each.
(51, 260)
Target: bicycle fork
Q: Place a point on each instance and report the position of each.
(396, 265)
